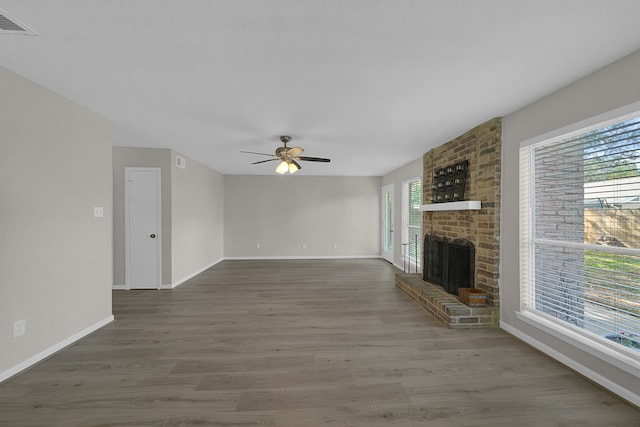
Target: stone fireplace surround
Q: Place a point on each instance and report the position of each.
(481, 146)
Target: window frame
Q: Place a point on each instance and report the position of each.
(619, 356)
(415, 263)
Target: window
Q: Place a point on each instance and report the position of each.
(580, 232)
(412, 222)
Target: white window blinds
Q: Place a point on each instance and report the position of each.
(414, 222)
(580, 231)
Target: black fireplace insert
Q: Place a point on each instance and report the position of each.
(449, 263)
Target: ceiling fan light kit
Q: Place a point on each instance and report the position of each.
(288, 157)
(282, 168)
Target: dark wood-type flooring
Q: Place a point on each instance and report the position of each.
(298, 343)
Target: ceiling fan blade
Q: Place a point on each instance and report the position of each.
(313, 159)
(253, 152)
(263, 161)
(294, 151)
(296, 163)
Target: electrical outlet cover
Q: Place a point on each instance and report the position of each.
(19, 328)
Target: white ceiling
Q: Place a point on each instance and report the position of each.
(371, 84)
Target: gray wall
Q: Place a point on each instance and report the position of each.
(397, 177)
(55, 257)
(140, 157)
(612, 87)
(197, 229)
(281, 213)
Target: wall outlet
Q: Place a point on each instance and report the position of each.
(304, 246)
(257, 245)
(181, 162)
(19, 327)
(335, 246)
(98, 212)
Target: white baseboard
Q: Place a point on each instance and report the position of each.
(128, 288)
(195, 273)
(169, 285)
(615, 388)
(249, 258)
(53, 349)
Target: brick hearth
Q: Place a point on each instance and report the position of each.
(446, 308)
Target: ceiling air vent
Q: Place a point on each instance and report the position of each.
(10, 25)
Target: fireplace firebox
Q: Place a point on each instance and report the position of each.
(449, 263)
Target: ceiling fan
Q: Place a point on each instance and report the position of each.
(288, 157)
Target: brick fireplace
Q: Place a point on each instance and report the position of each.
(481, 146)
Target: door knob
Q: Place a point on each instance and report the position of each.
(153, 236)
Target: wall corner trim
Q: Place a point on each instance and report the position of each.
(54, 349)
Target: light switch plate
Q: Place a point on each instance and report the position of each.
(98, 212)
(19, 328)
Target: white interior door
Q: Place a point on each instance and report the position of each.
(142, 228)
(387, 223)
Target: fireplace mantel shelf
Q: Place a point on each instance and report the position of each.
(465, 205)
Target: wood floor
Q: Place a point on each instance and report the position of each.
(298, 343)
